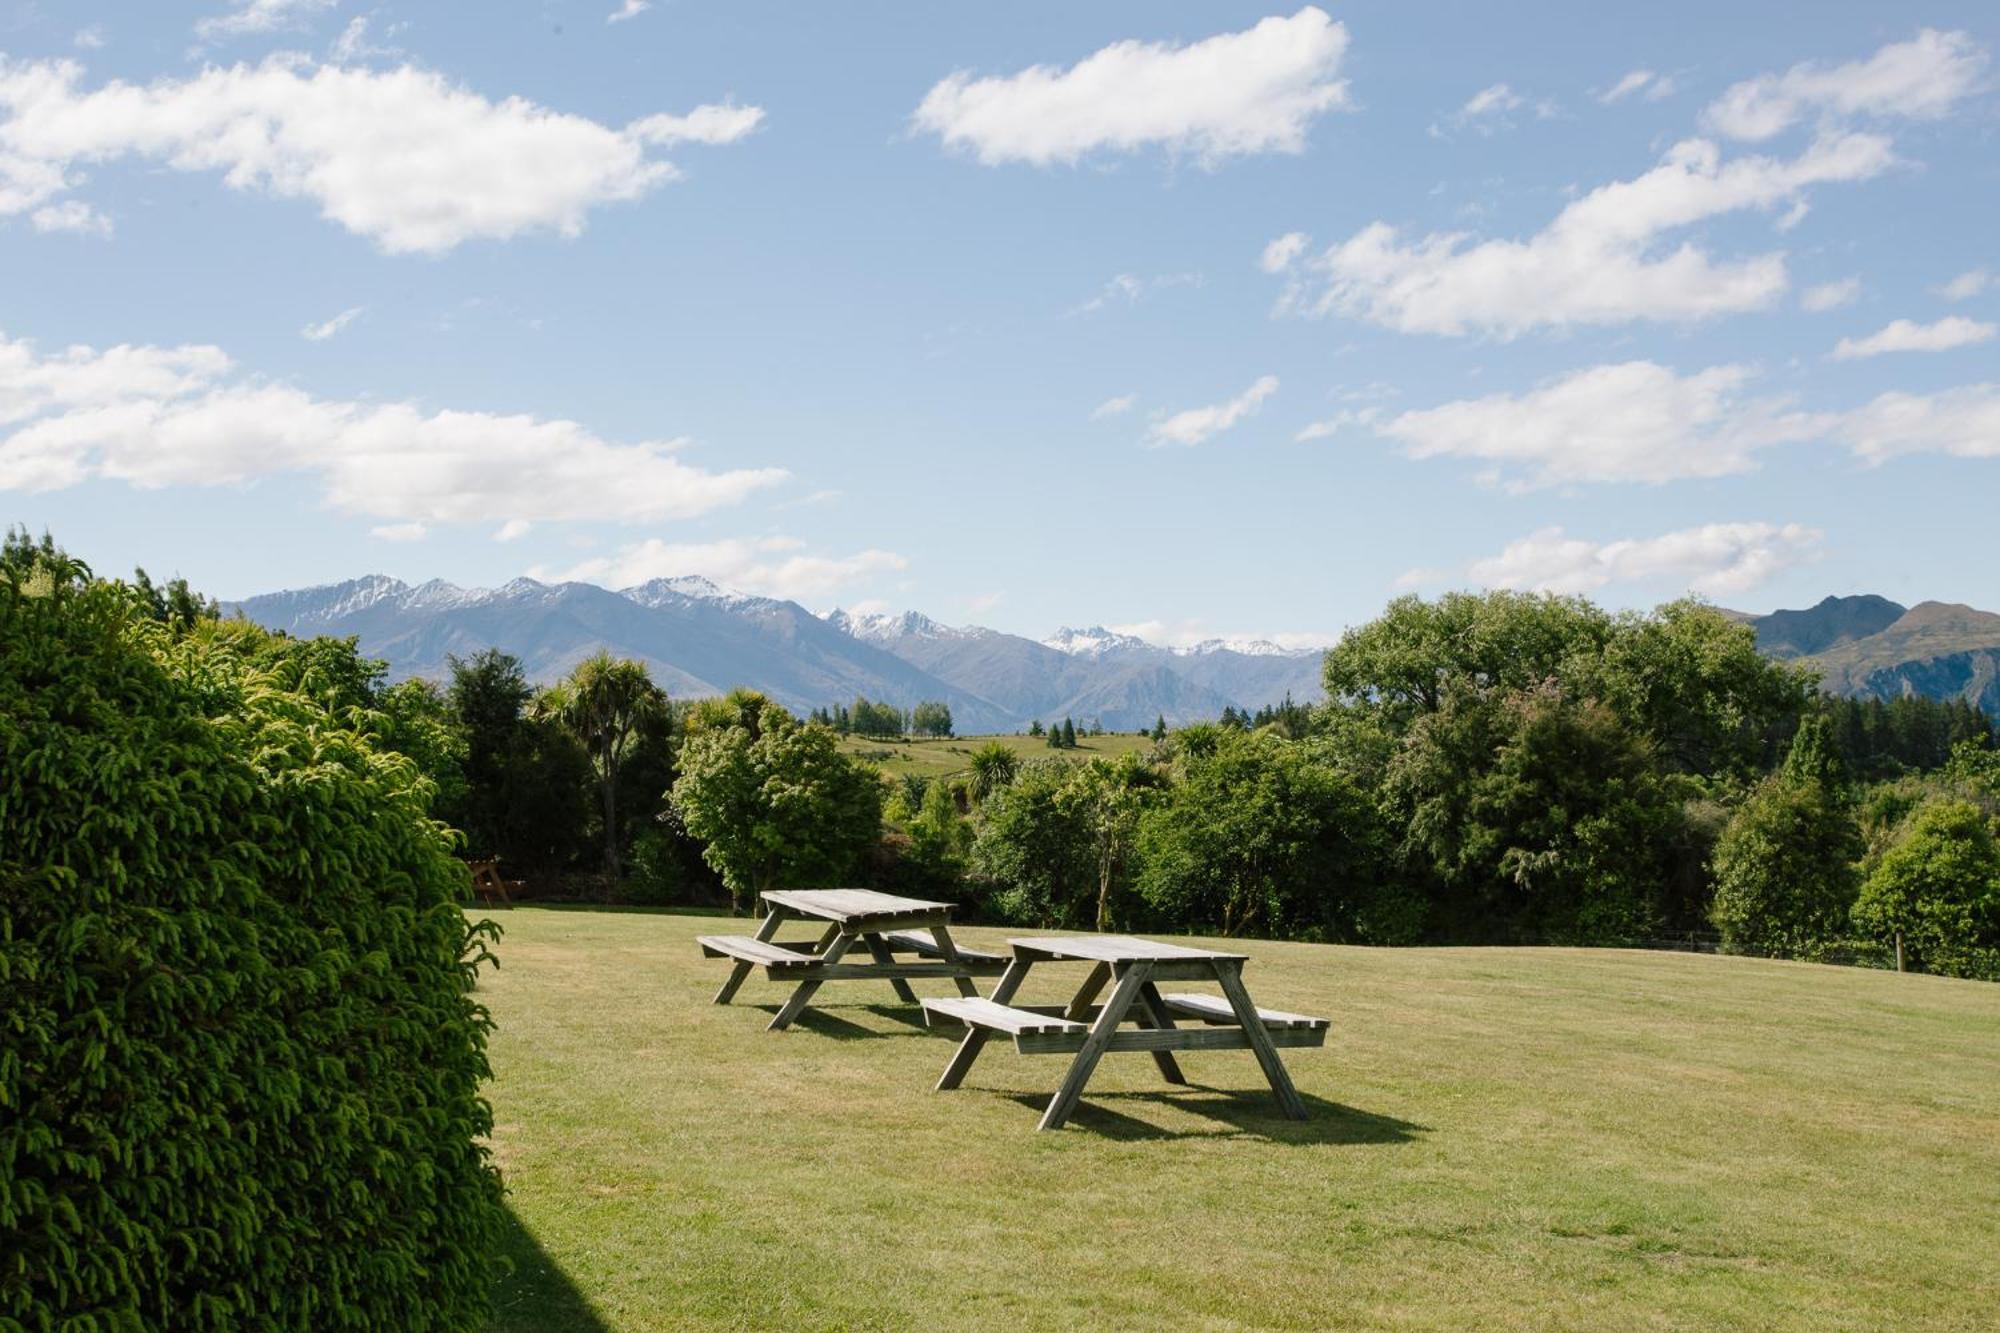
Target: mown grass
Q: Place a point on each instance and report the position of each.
(943, 758)
(1500, 1137)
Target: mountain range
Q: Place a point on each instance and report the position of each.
(698, 639)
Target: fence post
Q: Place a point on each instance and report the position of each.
(1899, 951)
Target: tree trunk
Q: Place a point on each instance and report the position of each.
(611, 817)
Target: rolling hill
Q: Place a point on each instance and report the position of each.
(1870, 647)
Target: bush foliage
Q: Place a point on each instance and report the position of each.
(239, 1060)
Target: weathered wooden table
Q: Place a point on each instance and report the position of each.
(882, 923)
(1230, 1022)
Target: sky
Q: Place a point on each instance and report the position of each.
(1186, 319)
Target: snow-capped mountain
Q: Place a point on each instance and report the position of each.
(701, 639)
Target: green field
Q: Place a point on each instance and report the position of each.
(1500, 1137)
(942, 758)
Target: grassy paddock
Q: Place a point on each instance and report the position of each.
(942, 758)
(1525, 1137)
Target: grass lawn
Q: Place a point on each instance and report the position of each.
(941, 758)
(1500, 1137)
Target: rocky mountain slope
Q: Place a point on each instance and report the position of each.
(1870, 647)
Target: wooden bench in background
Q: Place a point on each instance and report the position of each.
(486, 882)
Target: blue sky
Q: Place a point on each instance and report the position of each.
(1197, 319)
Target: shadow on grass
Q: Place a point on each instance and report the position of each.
(535, 1295)
(1236, 1115)
(828, 1023)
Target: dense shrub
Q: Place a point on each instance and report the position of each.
(239, 1060)
(1785, 871)
(1938, 889)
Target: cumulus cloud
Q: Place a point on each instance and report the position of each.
(325, 329)
(769, 566)
(1643, 81)
(72, 215)
(1256, 91)
(401, 156)
(1901, 335)
(1921, 79)
(1632, 422)
(1716, 558)
(1195, 425)
(399, 532)
(1830, 295)
(153, 417)
(1601, 261)
(1966, 285)
(1114, 407)
(254, 16)
(1281, 253)
(1642, 422)
(1960, 423)
(90, 38)
(631, 9)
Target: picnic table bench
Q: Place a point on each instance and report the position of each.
(1087, 1030)
(884, 925)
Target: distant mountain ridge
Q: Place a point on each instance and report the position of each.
(699, 639)
(1870, 647)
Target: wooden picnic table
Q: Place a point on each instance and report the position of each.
(882, 923)
(1229, 1022)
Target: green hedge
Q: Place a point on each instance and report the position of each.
(239, 1058)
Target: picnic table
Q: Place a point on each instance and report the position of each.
(883, 924)
(1131, 967)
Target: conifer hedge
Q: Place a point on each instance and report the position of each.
(239, 1058)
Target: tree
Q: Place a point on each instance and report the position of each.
(931, 718)
(1160, 728)
(173, 603)
(1105, 799)
(1036, 850)
(1068, 735)
(1784, 867)
(781, 809)
(994, 765)
(1936, 893)
(605, 702)
(1035, 727)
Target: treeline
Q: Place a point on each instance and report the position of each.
(865, 717)
(1488, 769)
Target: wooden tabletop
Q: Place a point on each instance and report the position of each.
(1113, 949)
(845, 906)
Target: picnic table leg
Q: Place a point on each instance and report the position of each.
(975, 1038)
(794, 1005)
(880, 953)
(737, 974)
(942, 938)
(1153, 1014)
(1079, 1005)
(1129, 984)
(1230, 974)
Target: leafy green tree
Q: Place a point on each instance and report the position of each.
(1035, 849)
(1068, 735)
(931, 718)
(781, 808)
(606, 703)
(1785, 866)
(1105, 800)
(940, 839)
(994, 765)
(1263, 835)
(173, 603)
(1160, 728)
(1035, 727)
(1937, 892)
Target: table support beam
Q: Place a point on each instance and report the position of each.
(1130, 982)
(769, 927)
(1231, 977)
(974, 1040)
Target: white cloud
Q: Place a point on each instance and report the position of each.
(1653, 86)
(513, 530)
(1198, 424)
(1632, 422)
(1128, 288)
(770, 566)
(1901, 335)
(1486, 111)
(1600, 261)
(401, 156)
(1921, 79)
(90, 38)
(399, 532)
(984, 601)
(186, 416)
(1961, 423)
(1716, 558)
(631, 9)
(1966, 285)
(325, 329)
(1280, 254)
(1328, 427)
(353, 43)
(1256, 91)
(260, 16)
(1489, 101)
(1830, 295)
(71, 215)
(1114, 407)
